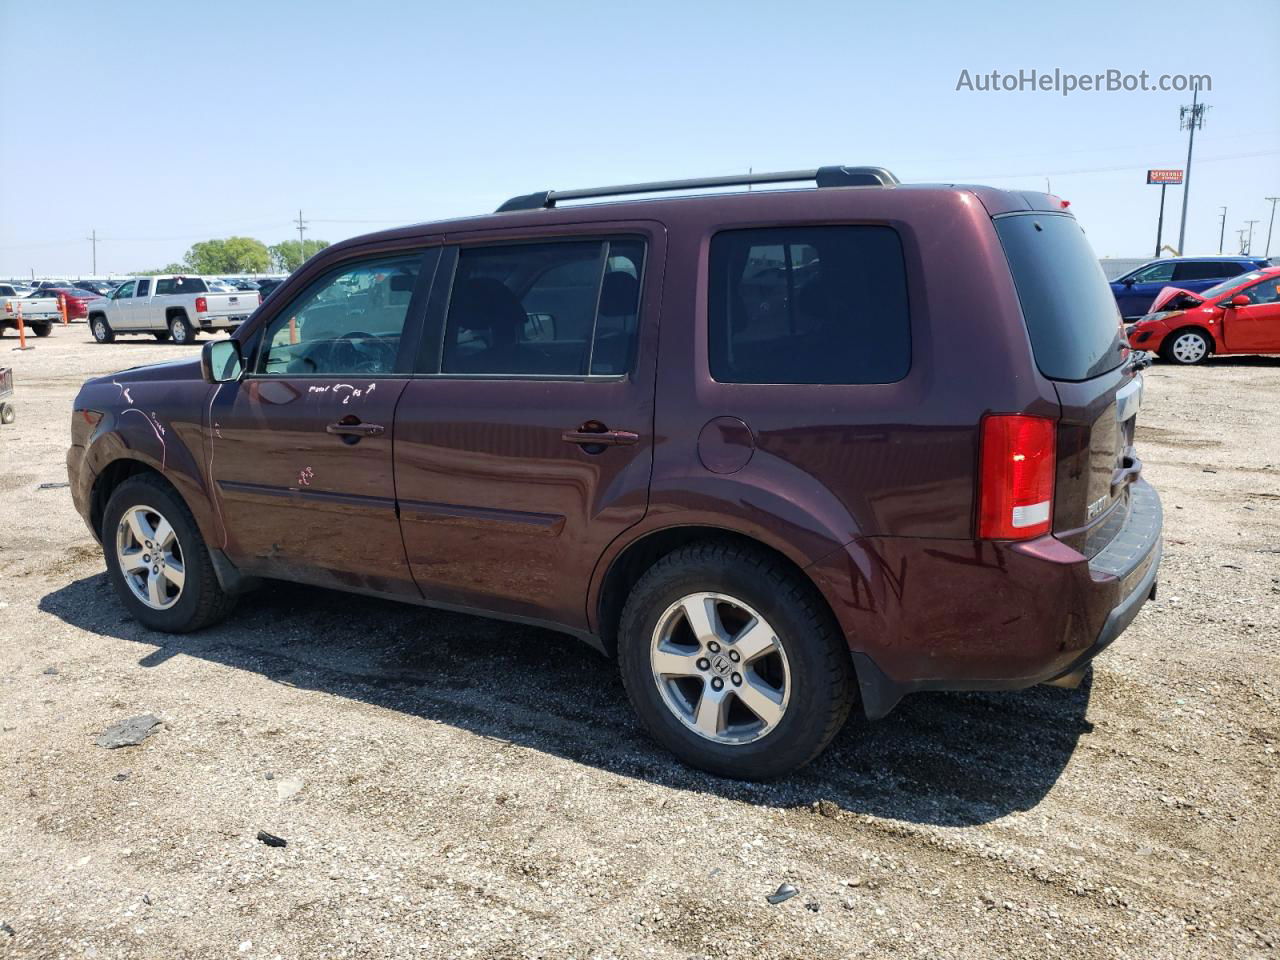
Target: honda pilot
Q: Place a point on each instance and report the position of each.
(778, 453)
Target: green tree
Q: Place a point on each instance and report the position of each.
(171, 268)
(288, 256)
(232, 255)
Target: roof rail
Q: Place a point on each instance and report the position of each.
(834, 176)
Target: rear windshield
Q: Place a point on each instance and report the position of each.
(173, 285)
(1070, 311)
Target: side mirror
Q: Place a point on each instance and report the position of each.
(1128, 281)
(220, 361)
(1239, 300)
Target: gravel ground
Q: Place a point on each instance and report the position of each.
(453, 787)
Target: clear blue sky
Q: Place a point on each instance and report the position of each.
(159, 124)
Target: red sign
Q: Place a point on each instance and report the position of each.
(1164, 176)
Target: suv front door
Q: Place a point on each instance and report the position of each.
(535, 347)
(1134, 299)
(301, 446)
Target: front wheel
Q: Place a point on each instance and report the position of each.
(180, 329)
(1186, 347)
(157, 561)
(102, 331)
(733, 662)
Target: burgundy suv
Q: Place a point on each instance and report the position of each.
(779, 452)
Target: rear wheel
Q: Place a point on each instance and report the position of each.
(102, 331)
(7, 413)
(1186, 347)
(180, 329)
(41, 329)
(733, 662)
(157, 561)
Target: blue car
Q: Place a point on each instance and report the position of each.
(1137, 288)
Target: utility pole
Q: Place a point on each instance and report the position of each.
(1271, 224)
(1189, 118)
(1240, 235)
(1222, 229)
(1249, 248)
(302, 246)
(93, 239)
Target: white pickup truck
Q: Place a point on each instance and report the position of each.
(39, 314)
(168, 306)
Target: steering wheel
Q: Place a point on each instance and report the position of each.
(351, 353)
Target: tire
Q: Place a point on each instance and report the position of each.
(805, 680)
(1186, 347)
(102, 331)
(42, 329)
(161, 335)
(198, 601)
(180, 329)
(7, 413)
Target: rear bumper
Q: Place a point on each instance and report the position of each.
(994, 616)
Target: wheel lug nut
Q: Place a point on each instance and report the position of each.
(704, 664)
(735, 656)
(713, 647)
(155, 569)
(737, 679)
(717, 683)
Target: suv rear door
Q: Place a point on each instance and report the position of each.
(536, 345)
(301, 446)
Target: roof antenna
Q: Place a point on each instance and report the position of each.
(750, 171)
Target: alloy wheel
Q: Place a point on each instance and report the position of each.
(721, 668)
(150, 557)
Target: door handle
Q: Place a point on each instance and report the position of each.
(349, 427)
(600, 438)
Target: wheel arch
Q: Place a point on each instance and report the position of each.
(628, 563)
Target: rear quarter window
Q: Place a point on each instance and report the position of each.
(1070, 312)
(808, 305)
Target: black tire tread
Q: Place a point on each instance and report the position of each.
(713, 554)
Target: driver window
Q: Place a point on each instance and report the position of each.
(348, 323)
(1157, 273)
(125, 290)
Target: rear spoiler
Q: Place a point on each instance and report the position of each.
(1168, 294)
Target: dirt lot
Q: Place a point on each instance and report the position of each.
(452, 787)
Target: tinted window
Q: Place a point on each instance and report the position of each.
(1156, 273)
(1070, 313)
(1205, 270)
(545, 309)
(144, 288)
(177, 285)
(125, 290)
(1218, 289)
(808, 305)
(348, 323)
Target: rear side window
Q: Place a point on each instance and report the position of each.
(173, 285)
(1068, 306)
(808, 305)
(568, 308)
(144, 288)
(1206, 270)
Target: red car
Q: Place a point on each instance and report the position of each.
(1240, 315)
(77, 299)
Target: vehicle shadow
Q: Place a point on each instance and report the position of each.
(1241, 360)
(944, 759)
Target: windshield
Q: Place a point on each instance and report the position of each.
(1225, 285)
(1071, 314)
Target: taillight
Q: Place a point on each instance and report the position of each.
(202, 305)
(1015, 477)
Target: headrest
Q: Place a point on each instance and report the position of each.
(619, 294)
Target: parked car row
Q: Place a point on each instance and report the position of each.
(1137, 289)
(1239, 315)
